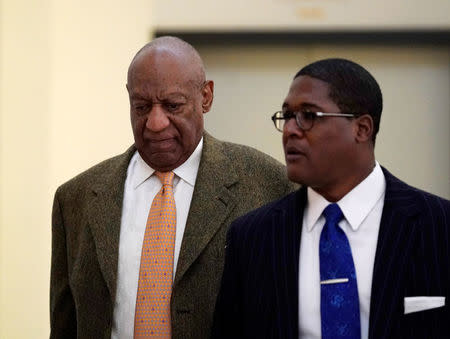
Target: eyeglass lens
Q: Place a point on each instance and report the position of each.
(304, 120)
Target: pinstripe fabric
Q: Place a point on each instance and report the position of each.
(412, 259)
(259, 298)
(152, 317)
(258, 295)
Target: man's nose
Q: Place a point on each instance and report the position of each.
(291, 128)
(157, 119)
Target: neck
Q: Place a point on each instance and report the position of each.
(337, 191)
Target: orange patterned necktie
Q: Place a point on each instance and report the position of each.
(152, 317)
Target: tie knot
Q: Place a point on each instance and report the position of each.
(166, 178)
(333, 213)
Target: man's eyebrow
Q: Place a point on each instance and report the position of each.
(175, 94)
(136, 95)
(163, 96)
(302, 105)
(137, 98)
(310, 105)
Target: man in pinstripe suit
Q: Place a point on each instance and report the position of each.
(399, 235)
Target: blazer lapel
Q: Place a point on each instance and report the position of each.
(105, 210)
(398, 232)
(212, 202)
(286, 234)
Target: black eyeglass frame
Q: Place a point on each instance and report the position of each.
(280, 115)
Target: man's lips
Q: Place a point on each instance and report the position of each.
(162, 144)
(293, 153)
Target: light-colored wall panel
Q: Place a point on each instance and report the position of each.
(94, 42)
(63, 108)
(206, 15)
(414, 142)
(24, 183)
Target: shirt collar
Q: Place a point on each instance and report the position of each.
(187, 171)
(355, 205)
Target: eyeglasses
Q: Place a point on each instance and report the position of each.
(305, 120)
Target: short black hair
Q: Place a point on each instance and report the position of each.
(352, 87)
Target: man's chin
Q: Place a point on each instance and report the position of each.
(296, 176)
(162, 161)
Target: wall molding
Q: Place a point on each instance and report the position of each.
(377, 37)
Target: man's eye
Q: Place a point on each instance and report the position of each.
(141, 108)
(172, 106)
(309, 115)
(288, 115)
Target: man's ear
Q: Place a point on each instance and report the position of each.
(208, 95)
(363, 128)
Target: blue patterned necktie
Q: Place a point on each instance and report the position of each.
(339, 303)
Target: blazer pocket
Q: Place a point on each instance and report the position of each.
(417, 304)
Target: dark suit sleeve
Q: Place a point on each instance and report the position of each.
(63, 321)
(228, 313)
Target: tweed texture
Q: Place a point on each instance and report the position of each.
(232, 180)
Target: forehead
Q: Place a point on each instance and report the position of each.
(160, 71)
(306, 90)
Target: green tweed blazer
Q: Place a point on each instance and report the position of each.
(232, 179)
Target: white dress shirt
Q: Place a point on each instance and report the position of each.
(141, 186)
(362, 208)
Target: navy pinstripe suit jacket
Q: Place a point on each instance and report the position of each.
(259, 293)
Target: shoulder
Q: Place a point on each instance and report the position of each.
(241, 152)
(253, 160)
(414, 198)
(432, 201)
(248, 161)
(249, 154)
(264, 215)
(112, 169)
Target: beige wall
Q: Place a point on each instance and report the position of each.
(63, 108)
(301, 14)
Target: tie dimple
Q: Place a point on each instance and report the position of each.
(166, 178)
(333, 213)
(152, 315)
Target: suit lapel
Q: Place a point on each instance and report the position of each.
(398, 231)
(212, 202)
(286, 234)
(105, 210)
